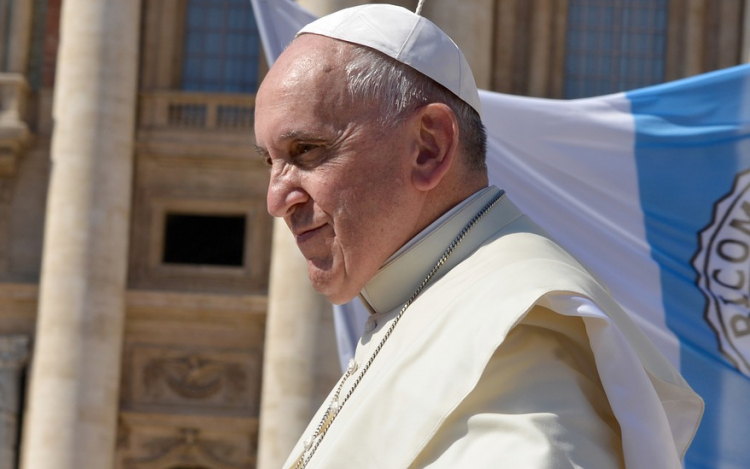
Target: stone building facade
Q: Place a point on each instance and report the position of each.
(150, 315)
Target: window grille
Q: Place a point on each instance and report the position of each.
(614, 45)
(222, 47)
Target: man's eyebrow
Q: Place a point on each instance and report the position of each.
(260, 150)
(293, 135)
(301, 135)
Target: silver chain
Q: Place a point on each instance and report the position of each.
(334, 406)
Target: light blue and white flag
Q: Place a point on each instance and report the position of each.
(651, 190)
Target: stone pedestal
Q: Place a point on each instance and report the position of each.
(14, 352)
(73, 398)
(300, 365)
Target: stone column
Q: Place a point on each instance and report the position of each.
(470, 25)
(324, 7)
(73, 399)
(14, 352)
(299, 364)
(695, 36)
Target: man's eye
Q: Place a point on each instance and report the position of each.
(308, 155)
(304, 148)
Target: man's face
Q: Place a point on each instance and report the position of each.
(338, 178)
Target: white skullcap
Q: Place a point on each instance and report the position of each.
(409, 38)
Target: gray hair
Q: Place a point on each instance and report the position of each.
(374, 77)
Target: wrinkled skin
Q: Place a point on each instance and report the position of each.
(342, 183)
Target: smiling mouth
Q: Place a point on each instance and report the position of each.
(308, 234)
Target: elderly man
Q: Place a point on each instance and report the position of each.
(488, 346)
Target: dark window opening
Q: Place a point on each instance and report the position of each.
(204, 239)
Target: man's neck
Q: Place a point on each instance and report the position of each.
(432, 226)
(397, 279)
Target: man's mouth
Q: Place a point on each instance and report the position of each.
(305, 235)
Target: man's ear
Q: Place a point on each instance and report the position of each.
(437, 144)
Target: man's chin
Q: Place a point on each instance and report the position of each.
(332, 286)
(334, 295)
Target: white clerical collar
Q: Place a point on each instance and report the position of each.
(399, 277)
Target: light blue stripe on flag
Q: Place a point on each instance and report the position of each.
(691, 149)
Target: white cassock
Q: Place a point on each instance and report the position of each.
(512, 357)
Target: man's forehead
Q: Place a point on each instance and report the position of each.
(308, 58)
(304, 95)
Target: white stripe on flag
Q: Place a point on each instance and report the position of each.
(570, 165)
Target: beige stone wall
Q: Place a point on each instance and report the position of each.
(176, 182)
(191, 380)
(195, 335)
(193, 344)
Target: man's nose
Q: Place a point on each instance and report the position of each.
(284, 194)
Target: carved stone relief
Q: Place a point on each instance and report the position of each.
(182, 442)
(193, 377)
(209, 379)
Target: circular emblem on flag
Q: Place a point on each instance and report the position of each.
(723, 266)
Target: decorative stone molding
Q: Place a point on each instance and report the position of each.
(165, 442)
(210, 111)
(208, 380)
(14, 132)
(147, 269)
(168, 122)
(194, 377)
(188, 447)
